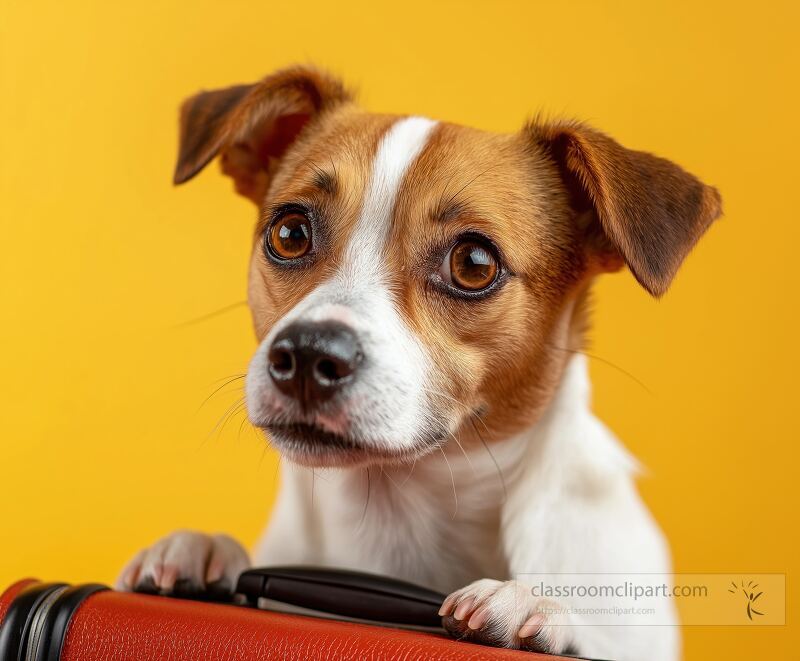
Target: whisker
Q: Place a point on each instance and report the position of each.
(453, 481)
(321, 476)
(277, 468)
(494, 461)
(465, 186)
(233, 408)
(241, 408)
(606, 362)
(464, 452)
(473, 415)
(238, 375)
(223, 417)
(366, 502)
(413, 466)
(216, 390)
(264, 449)
(242, 424)
(209, 315)
(389, 477)
(440, 393)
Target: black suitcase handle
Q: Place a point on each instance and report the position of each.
(348, 593)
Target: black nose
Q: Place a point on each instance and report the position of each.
(312, 361)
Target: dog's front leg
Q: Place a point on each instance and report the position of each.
(186, 563)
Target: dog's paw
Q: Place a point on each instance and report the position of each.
(186, 564)
(506, 614)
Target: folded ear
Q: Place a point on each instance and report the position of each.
(252, 126)
(650, 211)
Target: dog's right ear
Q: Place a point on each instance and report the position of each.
(252, 126)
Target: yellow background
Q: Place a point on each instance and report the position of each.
(102, 261)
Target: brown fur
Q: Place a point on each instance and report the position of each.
(251, 126)
(561, 202)
(651, 211)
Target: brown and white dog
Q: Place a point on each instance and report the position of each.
(419, 292)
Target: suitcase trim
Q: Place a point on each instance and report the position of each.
(16, 624)
(56, 620)
(35, 624)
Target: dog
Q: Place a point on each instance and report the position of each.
(420, 294)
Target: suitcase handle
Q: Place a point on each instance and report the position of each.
(346, 593)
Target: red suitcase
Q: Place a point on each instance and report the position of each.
(47, 622)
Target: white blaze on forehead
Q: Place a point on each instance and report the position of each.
(397, 151)
(386, 406)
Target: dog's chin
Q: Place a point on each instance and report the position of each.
(313, 446)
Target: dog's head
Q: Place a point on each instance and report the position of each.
(410, 276)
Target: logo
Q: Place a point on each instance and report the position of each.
(749, 594)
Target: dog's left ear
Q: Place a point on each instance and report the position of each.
(649, 212)
(252, 126)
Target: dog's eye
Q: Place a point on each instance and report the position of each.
(470, 265)
(289, 236)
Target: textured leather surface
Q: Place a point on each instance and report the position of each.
(113, 626)
(10, 594)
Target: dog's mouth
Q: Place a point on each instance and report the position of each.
(311, 445)
(311, 436)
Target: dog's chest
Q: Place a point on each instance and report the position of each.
(425, 526)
